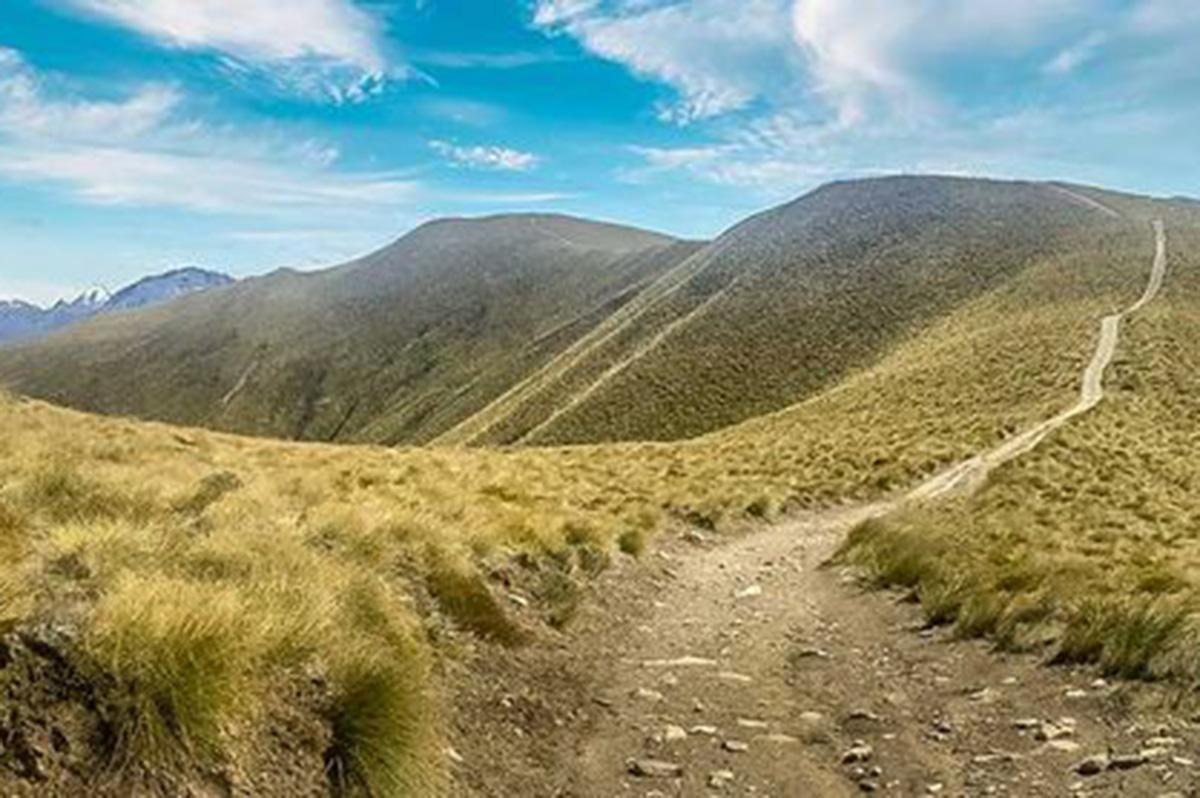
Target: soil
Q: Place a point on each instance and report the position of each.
(742, 666)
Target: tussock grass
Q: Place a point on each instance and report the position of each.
(179, 655)
(383, 718)
(463, 595)
(62, 494)
(316, 559)
(1131, 638)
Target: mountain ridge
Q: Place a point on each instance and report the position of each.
(396, 345)
(550, 329)
(21, 320)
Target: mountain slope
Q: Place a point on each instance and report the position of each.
(165, 287)
(396, 347)
(787, 303)
(21, 320)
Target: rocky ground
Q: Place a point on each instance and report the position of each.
(742, 667)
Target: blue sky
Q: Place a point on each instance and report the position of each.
(246, 135)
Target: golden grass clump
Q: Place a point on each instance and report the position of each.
(179, 656)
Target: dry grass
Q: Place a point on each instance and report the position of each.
(199, 566)
(1089, 547)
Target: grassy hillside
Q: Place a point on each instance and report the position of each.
(275, 612)
(396, 347)
(1091, 542)
(788, 303)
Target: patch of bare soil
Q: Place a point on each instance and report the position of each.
(742, 667)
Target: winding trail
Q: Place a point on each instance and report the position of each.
(742, 667)
(969, 475)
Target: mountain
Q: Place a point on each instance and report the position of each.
(398, 346)
(543, 329)
(788, 303)
(165, 287)
(22, 320)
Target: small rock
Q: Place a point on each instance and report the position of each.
(780, 739)
(810, 652)
(518, 599)
(646, 694)
(811, 718)
(750, 591)
(1126, 761)
(731, 676)
(984, 696)
(654, 769)
(935, 788)
(680, 662)
(705, 731)
(748, 723)
(1053, 731)
(1076, 693)
(1063, 746)
(1163, 742)
(864, 714)
(1097, 763)
(1025, 724)
(868, 786)
(719, 779)
(859, 752)
(996, 757)
(735, 746)
(454, 756)
(1183, 761)
(674, 734)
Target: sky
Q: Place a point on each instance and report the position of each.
(248, 135)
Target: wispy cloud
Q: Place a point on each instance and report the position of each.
(113, 176)
(718, 56)
(459, 59)
(486, 156)
(1075, 56)
(321, 48)
(143, 150)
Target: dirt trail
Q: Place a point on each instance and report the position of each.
(742, 667)
(969, 475)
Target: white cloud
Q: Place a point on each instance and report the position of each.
(486, 157)
(719, 56)
(868, 52)
(142, 150)
(859, 59)
(319, 47)
(1075, 56)
(26, 110)
(115, 176)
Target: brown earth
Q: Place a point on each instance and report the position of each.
(752, 638)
